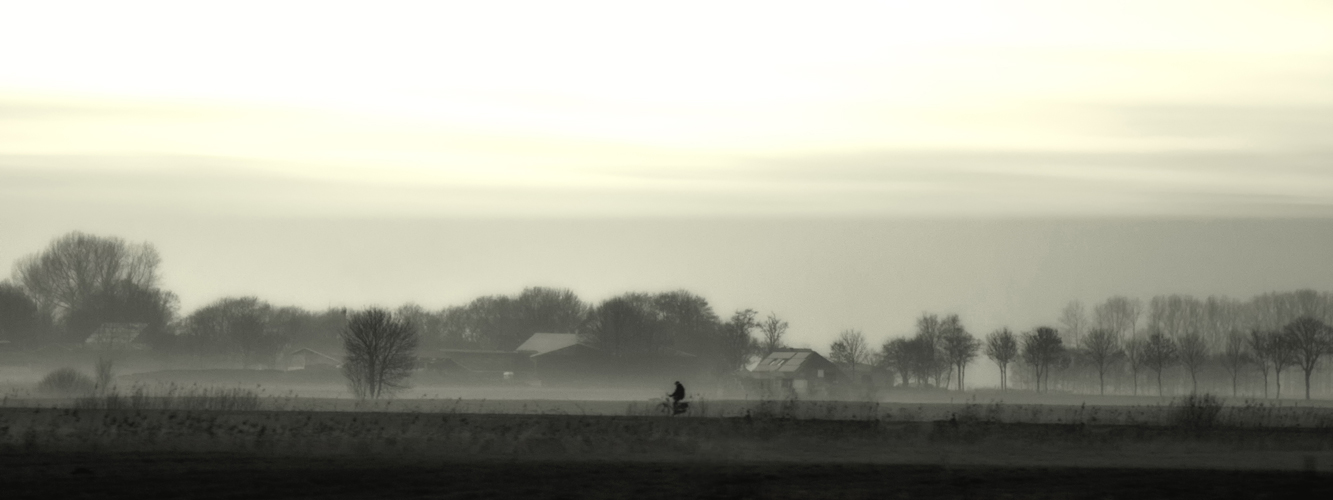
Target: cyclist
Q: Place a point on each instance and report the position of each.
(676, 396)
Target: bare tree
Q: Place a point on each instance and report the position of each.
(1002, 348)
(1120, 315)
(850, 349)
(1235, 357)
(1260, 346)
(896, 354)
(380, 353)
(1135, 350)
(1160, 353)
(1042, 349)
(77, 266)
(1193, 354)
(237, 326)
(1174, 315)
(1103, 349)
(1074, 318)
(736, 343)
(959, 345)
(1221, 316)
(773, 330)
(928, 348)
(1310, 339)
(1282, 353)
(428, 325)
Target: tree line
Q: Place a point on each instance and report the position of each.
(80, 281)
(1215, 342)
(1176, 340)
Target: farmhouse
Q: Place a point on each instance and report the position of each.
(118, 336)
(559, 358)
(306, 358)
(800, 372)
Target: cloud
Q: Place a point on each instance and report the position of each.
(912, 184)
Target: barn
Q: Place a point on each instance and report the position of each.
(559, 358)
(794, 372)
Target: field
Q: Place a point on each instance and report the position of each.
(726, 448)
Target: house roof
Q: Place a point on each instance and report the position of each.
(116, 333)
(482, 361)
(786, 361)
(307, 350)
(542, 343)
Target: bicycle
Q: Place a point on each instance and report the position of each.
(670, 407)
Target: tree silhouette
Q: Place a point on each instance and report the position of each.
(850, 349)
(1002, 348)
(1310, 339)
(959, 346)
(1134, 354)
(380, 353)
(773, 330)
(1160, 353)
(1103, 348)
(1042, 349)
(1235, 357)
(1193, 353)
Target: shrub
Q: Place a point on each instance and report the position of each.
(1196, 411)
(66, 382)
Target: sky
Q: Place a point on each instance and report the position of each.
(845, 164)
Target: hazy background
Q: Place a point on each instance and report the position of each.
(849, 165)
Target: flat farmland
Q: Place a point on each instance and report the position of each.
(413, 452)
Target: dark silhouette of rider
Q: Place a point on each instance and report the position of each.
(678, 395)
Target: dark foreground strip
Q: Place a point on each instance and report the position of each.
(145, 476)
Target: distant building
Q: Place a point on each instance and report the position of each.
(469, 365)
(799, 372)
(305, 358)
(118, 336)
(559, 358)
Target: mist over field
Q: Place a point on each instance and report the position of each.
(590, 249)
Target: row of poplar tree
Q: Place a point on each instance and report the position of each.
(1176, 341)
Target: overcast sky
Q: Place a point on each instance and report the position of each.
(847, 165)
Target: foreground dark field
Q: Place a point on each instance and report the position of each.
(191, 475)
(149, 453)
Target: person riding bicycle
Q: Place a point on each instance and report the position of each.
(676, 406)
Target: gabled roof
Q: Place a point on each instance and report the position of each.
(787, 360)
(116, 333)
(542, 343)
(317, 354)
(481, 361)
